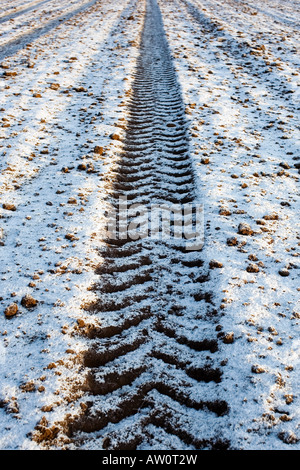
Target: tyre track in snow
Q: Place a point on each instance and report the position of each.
(155, 373)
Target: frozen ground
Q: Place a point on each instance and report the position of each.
(54, 115)
(66, 73)
(238, 66)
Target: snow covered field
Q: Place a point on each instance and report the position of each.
(238, 66)
(65, 80)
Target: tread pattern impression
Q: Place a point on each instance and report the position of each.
(154, 362)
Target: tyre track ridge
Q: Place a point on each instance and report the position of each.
(132, 364)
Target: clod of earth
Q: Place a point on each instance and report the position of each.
(28, 387)
(81, 167)
(257, 369)
(284, 272)
(29, 302)
(252, 268)
(284, 165)
(9, 207)
(11, 310)
(115, 137)
(245, 229)
(71, 237)
(289, 399)
(72, 200)
(271, 217)
(44, 433)
(224, 211)
(79, 89)
(232, 241)
(288, 437)
(98, 150)
(215, 264)
(10, 74)
(228, 338)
